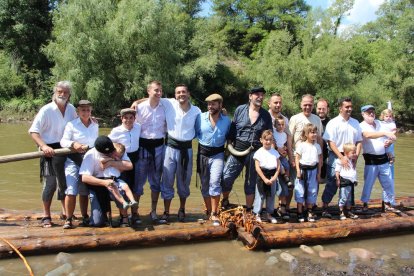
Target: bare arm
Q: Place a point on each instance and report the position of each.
(274, 177)
(49, 152)
(260, 172)
(378, 134)
(137, 102)
(334, 148)
(92, 180)
(121, 165)
(290, 151)
(319, 168)
(297, 158)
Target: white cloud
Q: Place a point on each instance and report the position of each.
(363, 11)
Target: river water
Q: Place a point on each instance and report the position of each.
(20, 190)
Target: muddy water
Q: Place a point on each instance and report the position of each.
(20, 189)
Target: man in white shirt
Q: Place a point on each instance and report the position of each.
(178, 161)
(151, 116)
(376, 159)
(340, 130)
(46, 131)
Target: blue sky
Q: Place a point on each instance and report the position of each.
(362, 12)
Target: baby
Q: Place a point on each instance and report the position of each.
(114, 173)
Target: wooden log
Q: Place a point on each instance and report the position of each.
(374, 227)
(113, 238)
(32, 155)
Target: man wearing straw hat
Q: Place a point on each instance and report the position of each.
(212, 128)
(46, 131)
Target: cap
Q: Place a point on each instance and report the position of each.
(214, 97)
(367, 107)
(84, 102)
(104, 144)
(128, 111)
(257, 89)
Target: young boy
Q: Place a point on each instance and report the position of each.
(346, 179)
(114, 173)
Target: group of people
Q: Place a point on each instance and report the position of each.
(154, 144)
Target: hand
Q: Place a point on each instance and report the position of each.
(338, 183)
(298, 175)
(268, 182)
(356, 183)
(48, 151)
(293, 164)
(344, 162)
(387, 143)
(79, 147)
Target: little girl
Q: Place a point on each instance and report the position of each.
(114, 173)
(388, 123)
(308, 167)
(281, 139)
(346, 180)
(267, 167)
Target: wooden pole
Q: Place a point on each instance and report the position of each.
(32, 155)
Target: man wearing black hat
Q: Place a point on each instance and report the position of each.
(92, 174)
(249, 121)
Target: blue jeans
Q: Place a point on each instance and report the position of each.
(383, 173)
(232, 170)
(312, 188)
(330, 186)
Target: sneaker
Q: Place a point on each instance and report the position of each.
(181, 215)
(311, 217)
(135, 219)
(214, 219)
(165, 218)
(153, 216)
(271, 220)
(365, 207)
(301, 218)
(258, 218)
(326, 214)
(342, 216)
(85, 221)
(123, 221)
(133, 204)
(352, 215)
(68, 224)
(125, 205)
(389, 208)
(225, 203)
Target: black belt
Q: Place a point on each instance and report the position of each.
(47, 164)
(150, 145)
(244, 145)
(304, 177)
(372, 159)
(263, 188)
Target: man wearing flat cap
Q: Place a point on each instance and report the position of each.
(92, 173)
(376, 159)
(249, 121)
(212, 128)
(128, 134)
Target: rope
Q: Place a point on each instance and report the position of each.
(20, 255)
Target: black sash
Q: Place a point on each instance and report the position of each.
(48, 164)
(203, 154)
(149, 145)
(263, 188)
(372, 159)
(183, 147)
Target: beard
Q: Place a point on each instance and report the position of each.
(368, 119)
(61, 100)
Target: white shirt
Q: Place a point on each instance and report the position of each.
(372, 146)
(180, 124)
(309, 153)
(152, 120)
(50, 123)
(76, 131)
(111, 172)
(347, 173)
(91, 163)
(267, 158)
(341, 131)
(128, 138)
(281, 138)
(297, 123)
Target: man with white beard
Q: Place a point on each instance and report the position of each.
(47, 131)
(376, 159)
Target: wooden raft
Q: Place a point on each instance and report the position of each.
(23, 230)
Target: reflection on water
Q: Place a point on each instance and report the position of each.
(20, 189)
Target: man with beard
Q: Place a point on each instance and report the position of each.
(180, 115)
(340, 130)
(249, 121)
(212, 128)
(322, 110)
(47, 131)
(376, 159)
(151, 116)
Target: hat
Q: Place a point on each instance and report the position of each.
(214, 97)
(84, 102)
(257, 89)
(128, 111)
(367, 107)
(104, 144)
